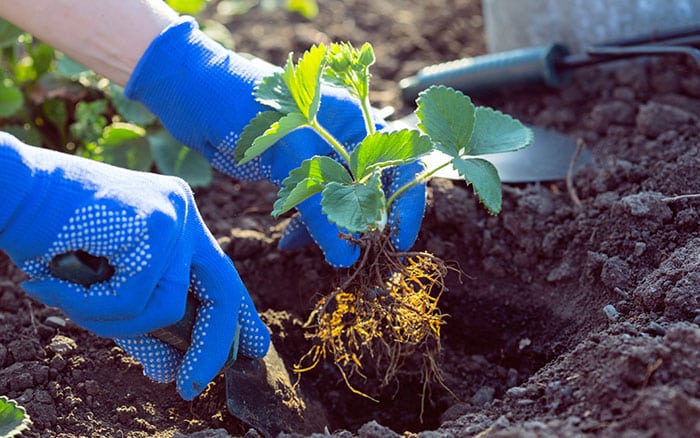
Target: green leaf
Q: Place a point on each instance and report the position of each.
(125, 145)
(24, 70)
(119, 132)
(13, 418)
(132, 154)
(253, 130)
(54, 110)
(296, 88)
(356, 207)
(172, 158)
(495, 132)
(43, 56)
(11, 98)
(90, 121)
(306, 8)
(8, 34)
(273, 92)
(384, 149)
(447, 117)
(308, 179)
(274, 133)
(131, 110)
(303, 190)
(189, 7)
(484, 179)
(304, 80)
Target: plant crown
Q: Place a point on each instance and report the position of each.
(351, 191)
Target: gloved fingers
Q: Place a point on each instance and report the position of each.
(255, 336)
(295, 235)
(338, 251)
(144, 302)
(212, 335)
(105, 229)
(407, 210)
(219, 289)
(288, 153)
(166, 307)
(96, 313)
(160, 361)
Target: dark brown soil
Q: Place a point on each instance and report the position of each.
(530, 347)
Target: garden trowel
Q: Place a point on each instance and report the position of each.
(259, 392)
(547, 159)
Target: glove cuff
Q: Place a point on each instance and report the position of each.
(16, 182)
(181, 78)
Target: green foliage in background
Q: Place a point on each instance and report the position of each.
(49, 100)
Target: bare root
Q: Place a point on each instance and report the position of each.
(384, 313)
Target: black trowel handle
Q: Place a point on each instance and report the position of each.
(484, 74)
(86, 269)
(179, 335)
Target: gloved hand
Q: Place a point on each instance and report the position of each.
(149, 230)
(203, 94)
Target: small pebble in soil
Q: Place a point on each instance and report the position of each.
(524, 343)
(483, 395)
(611, 312)
(655, 329)
(512, 377)
(252, 433)
(55, 322)
(374, 429)
(622, 293)
(516, 392)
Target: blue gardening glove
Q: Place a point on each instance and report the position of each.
(149, 230)
(203, 94)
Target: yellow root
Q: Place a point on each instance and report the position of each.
(381, 320)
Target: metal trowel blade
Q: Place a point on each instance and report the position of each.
(260, 393)
(547, 159)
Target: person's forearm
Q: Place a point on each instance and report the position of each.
(108, 36)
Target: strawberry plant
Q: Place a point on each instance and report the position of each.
(386, 308)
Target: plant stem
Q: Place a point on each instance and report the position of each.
(423, 177)
(335, 144)
(367, 115)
